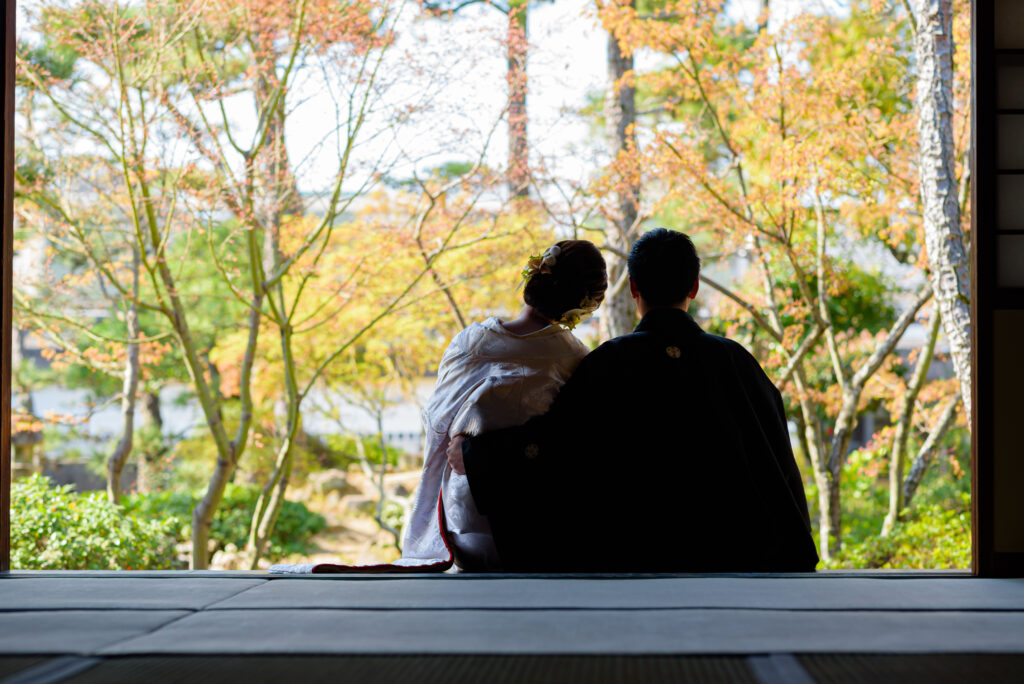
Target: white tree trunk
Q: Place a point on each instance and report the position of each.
(944, 239)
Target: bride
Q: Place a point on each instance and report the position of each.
(498, 374)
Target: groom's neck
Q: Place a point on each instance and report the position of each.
(643, 308)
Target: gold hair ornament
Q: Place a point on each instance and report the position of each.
(573, 317)
(541, 263)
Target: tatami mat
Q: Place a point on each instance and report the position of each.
(807, 593)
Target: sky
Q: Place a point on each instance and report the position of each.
(463, 86)
(464, 81)
(451, 75)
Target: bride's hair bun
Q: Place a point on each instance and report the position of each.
(578, 273)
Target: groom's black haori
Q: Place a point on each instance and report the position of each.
(666, 451)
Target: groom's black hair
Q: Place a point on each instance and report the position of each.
(664, 265)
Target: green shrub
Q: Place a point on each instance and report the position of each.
(340, 451)
(932, 536)
(296, 524)
(53, 528)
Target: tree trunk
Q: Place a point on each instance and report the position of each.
(763, 16)
(152, 429)
(846, 419)
(897, 455)
(269, 503)
(835, 514)
(228, 451)
(618, 314)
(829, 494)
(283, 200)
(380, 483)
(117, 459)
(944, 239)
(924, 455)
(26, 443)
(364, 460)
(811, 440)
(516, 47)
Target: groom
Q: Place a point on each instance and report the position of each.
(666, 451)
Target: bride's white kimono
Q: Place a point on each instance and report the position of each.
(488, 378)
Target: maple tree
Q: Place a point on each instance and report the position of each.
(149, 92)
(795, 148)
(935, 41)
(153, 158)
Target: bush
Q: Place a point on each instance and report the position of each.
(53, 528)
(340, 451)
(296, 524)
(932, 536)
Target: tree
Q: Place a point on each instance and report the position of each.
(58, 307)
(150, 94)
(403, 251)
(934, 47)
(129, 393)
(794, 150)
(516, 52)
(617, 312)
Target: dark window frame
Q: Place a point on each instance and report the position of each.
(7, 28)
(987, 297)
(989, 428)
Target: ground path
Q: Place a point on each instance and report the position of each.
(353, 535)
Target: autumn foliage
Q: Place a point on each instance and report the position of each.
(178, 241)
(794, 147)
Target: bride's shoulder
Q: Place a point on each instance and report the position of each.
(461, 352)
(467, 338)
(579, 349)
